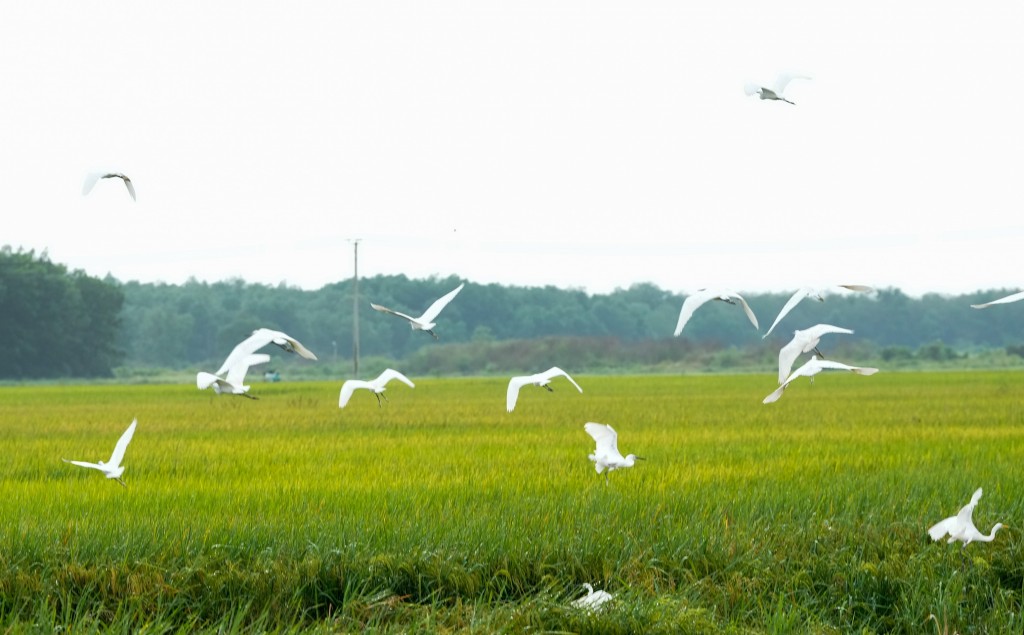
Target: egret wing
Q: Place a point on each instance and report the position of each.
(792, 302)
(776, 394)
(388, 375)
(690, 304)
(251, 344)
(747, 310)
(128, 184)
(788, 355)
(122, 444)
(964, 516)
(1010, 298)
(555, 371)
(783, 80)
(205, 380)
(440, 303)
(751, 88)
(384, 309)
(84, 464)
(236, 374)
(860, 288)
(90, 182)
(816, 331)
(348, 388)
(512, 394)
(832, 365)
(605, 437)
(943, 527)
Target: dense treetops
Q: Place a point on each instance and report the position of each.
(61, 323)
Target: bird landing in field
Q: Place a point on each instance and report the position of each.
(606, 456)
(112, 469)
(961, 527)
(376, 385)
(539, 379)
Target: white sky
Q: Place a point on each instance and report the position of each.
(582, 144)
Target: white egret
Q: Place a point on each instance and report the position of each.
(961, 527)
(592, 600)
(259, 339)
(696, 300)
(424, 322)
(607, 456)
(234, 382)
(817, 294)
(92, 177)
(112, 468)
(814, 366)
(1010, 298)
(804, 341)
(539, 379)
(376, 385)
(775, 92)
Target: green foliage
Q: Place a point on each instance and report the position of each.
(442, 512)
(55, 323)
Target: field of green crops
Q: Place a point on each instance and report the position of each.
(441, 512)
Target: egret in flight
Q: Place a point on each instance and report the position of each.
(775, 92)
(234, 382)
(1010, 298)
(814, 366)
(804, 341)
(592, 600)
(607, 456)
(817, 294)
(696, 300)
(961, 527)
(424, 322)
(92, 177)
(376, 385)
(540, 379)
(259, 339)
(112, 468)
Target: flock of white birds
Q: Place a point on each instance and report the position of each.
(230, 377)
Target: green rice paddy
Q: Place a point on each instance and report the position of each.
(441, 512)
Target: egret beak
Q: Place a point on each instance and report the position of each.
(118, 479)
(639, 458)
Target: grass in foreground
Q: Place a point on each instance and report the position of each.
(442, 512)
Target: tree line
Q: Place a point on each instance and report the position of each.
(65, 323)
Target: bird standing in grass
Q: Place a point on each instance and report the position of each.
(112, 469)
(592, 600)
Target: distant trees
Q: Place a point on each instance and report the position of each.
(55, 323)
(60, 323)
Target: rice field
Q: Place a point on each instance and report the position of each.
(441, 512)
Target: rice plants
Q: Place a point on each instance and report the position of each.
(439, 510)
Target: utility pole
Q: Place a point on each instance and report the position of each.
(355, 308)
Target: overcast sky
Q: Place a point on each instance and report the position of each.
(580, 144)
